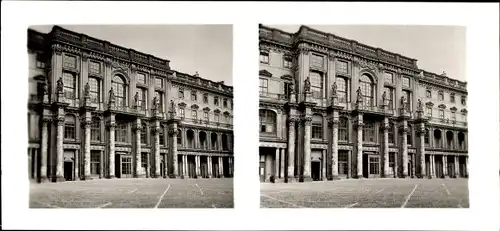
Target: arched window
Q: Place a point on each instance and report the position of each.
(119, 89)
(437, 139)
(144, 133)
(203, 140)
(461, 140)
(342, 89)
(190, 138)
(343, 130)
(267, 120)
(69, 127)
(179, 137)
(95, 131)
(317, 127)
(69, 81)
(215, 143)
(225, 143)
(194, 97)
(449, 139)
(94, 89)
(366, 85)
(161, 134)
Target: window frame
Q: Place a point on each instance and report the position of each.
(264, 57)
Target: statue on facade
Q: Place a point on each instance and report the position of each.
(291, 88)
(87, 90)
(45, 88)
(172, 107)
(111, 95)
(60, 85)
(402, 102)
(136, 99)
(359, 99)
(420, 107)
(307, 85)
(384, 97)
(334, 89)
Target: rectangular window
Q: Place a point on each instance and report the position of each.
(390, 133)
(452, 98)
(194, 114)
(181, 93)
(369, 132)
(144, 134)
(216, 101)
(94, 90)
(317, 61)
(159, 82)
(194, 97)
(263, 86)
(429, 111)
(159, 95)
(391, 162)
(441, 114)
(388, 78)
(316, 85)
(95, 131)
(342, 160)
(121, 132)
(287, 62)
(224, 103)
(428, 93)
(408, 102)
(95, 161)
(464, 101)
(144, 160)
(453, 116)
(341, 89)
(317, 131)
(94, 67)
(216, 117)
(205, 98)
(406, 82)
(267, 121)
(341, 67)
(181, 111)
(69, 62)
(226, 119)
(69, 128)
(264, 57)
(126, 165)
(142, 97)
(69, 82)
(205, 115)
(441, 96)
(343, 129)
(161, 135)
(141, 78)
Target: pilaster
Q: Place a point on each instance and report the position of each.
(386, 127)
(111, 161)
(59, 119)
(291, 149)
(137, 129)
(359, 145)
(44, 149)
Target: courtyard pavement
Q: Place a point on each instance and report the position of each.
(367, 193)
(134, 193)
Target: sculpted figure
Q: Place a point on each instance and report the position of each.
(334, 88)
(291, 88)
(60, 85)
(384, 97)
(403, 100)
(307, 85)
(172, 106)
(155, 104)
(136, 98)
(359, 95)
(87, 89)
(420, 106)
(111, 95)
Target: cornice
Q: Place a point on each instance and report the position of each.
(429, 83)
(189, 85)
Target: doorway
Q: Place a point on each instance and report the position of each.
(68, 170)
(316, 170)
(371, 166)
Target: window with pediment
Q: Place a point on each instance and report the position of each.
(119, 88)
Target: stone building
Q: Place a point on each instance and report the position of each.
(334, 108)
(98, 110)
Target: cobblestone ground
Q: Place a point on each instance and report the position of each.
(134, 193)
(368, 193)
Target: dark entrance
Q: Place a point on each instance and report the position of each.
(371, 166)
(225, 168)
(68, 170)
(316, 170)
(438, 166)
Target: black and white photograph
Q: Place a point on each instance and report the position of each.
(347, 124)
(130, 116)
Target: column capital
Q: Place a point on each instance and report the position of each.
(420, 131)
(174, 132)
(403, 129)
(303, 49)
(334, 122)
(86, 123)
(155, 130)
(385, 128)
(46, 120)
(292, 120)
(59, 120)
(111, 124)
(56, 48)
(359, 125)
(307, 120)
(137, 127)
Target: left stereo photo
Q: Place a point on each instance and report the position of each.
(130, 116)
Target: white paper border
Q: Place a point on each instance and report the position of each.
(482, 61)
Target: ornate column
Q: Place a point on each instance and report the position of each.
(323, 163)
(221, 167)
(349, 164)
(59, 148)
(359, 147)
(44, 149)
(156, 133)
(173, 149)
(282, 170)
(386, 128)
(87, 124)
(209, 163)
(111, 164)
(197, 163)
(277, 164)
(433, 166)
(335, 148)
(291, 149)
(307, 120)
(404, 148)
(138, 166)
(445, 166)
(421, 150)
(457, 167)
(101, 164)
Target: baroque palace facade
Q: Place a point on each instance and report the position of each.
(98, 110)
(333, 108)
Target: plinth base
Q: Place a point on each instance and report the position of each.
(173, 176)
(279, 180)
(43, 180)
(87, 178)
(291, 179)
(306, 179)
(335, 178)
(110, 177)
(59, 179)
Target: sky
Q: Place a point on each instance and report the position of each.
(206, 49)
(436, 48)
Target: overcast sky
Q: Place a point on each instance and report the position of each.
(207, 49)
(436, 48)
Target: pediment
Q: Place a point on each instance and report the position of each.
(430, 104)
(206, 109)
(182, 105)
(265, 73)
(226, 113)
(217, 111)
(464, 110)
(453, 109)
(442, 106)
(287, 77)
(194, 106)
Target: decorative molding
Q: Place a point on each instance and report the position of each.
(453, 109)
(217, 111)
(206, 109)
(429, 104)
(442, 106)
(182, 105)
(265, 73)
(287, 77)
(59, 120)
(195, 106)
(464, 110)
